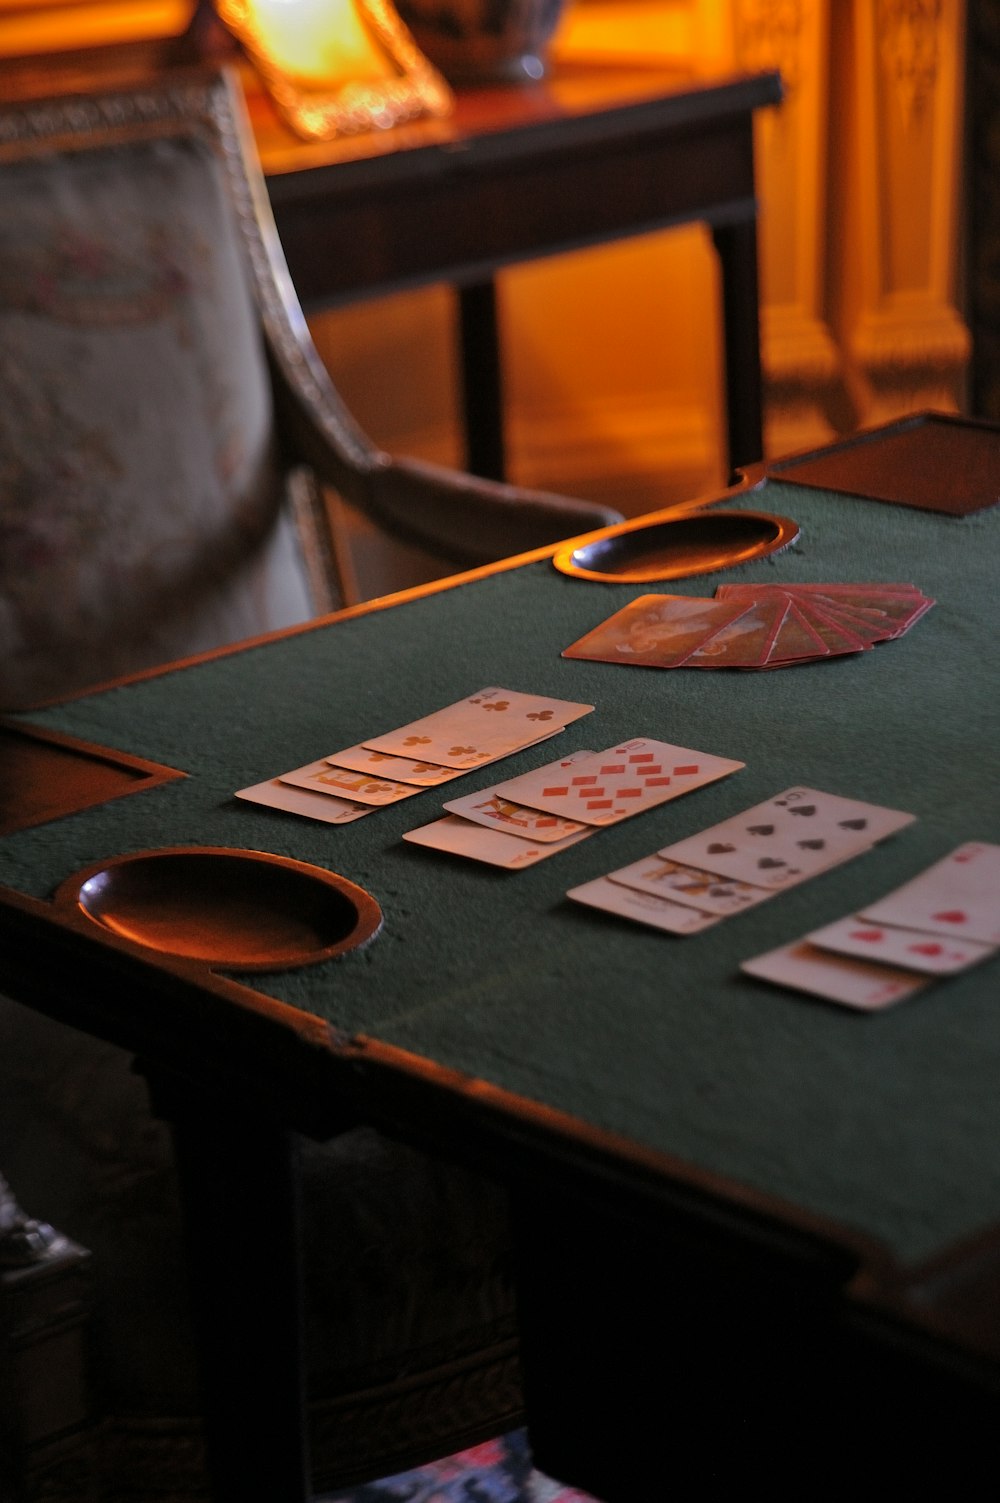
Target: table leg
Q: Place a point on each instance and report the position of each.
(482, 380)
(238, 1175)
(736, 245)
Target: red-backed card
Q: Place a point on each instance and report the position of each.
(743, 643)
(887, 610)
(803, 627)
(655, 631)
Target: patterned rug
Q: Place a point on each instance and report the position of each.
(499, 1471)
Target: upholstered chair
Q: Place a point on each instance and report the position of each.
(165, 426)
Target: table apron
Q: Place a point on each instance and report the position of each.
(465, 220)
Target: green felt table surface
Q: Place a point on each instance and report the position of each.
(888, 1123)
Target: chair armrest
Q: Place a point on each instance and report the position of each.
(460, 518)
(467, 520)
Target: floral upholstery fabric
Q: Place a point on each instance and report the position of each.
(139, 493)
(141, 520)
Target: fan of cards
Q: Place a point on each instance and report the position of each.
(945, 920)
(471, 733)
(523, 820)
(753, 626)
(696, 882)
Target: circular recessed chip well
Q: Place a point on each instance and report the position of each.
(236, 909)
(699, 543)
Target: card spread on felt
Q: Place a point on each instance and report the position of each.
(753, 626)
(488, 725)
(942, 922)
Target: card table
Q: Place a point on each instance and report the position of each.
(756, 1231)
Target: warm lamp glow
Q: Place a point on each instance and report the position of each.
(320, 41)
(337, 67)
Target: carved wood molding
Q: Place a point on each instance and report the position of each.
(910, 50)
(896, 224)
(377, 1431)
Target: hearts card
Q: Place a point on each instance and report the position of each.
(489, 724)
(931, 954)
(459, 837)
(791, 837)
(835, 978)
(643, 907)
(958, 897)
(611, 785)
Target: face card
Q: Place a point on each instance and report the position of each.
(611, 785)
(459, 837)
(361, 787)
(655, 631)
(278, 795)
(958, 897)
(835, 978)
(400, 769)
(642, 907)
(930, 954)
(789, 838)
(489, 724)
(688, 885)
(489, 809)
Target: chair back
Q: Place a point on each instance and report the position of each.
(141, 485)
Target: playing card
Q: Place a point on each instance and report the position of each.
(643, 907)
(489, 809)
(401, 769)
(889, 609)
(278, 795)
(958, 897)
(655, 631)
(688, 885)
(836, 978)
(796, 640)
(792, 836)
(489, 724)
(361, 787)
(835, 635)
(931, 954)
(744, 642)
(611, 785)
(867, 623)
(459, 837)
